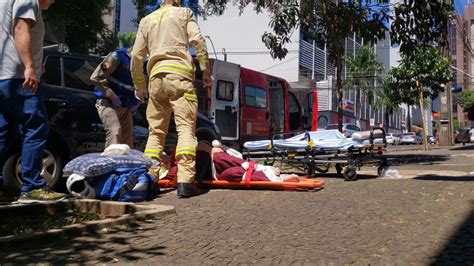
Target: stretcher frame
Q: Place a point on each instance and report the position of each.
(316, 160)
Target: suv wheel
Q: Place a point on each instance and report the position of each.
(53, 163)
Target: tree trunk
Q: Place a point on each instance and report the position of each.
(420, 96)
(358, 114)
(387, 118)
(339, 93)
(408, 122)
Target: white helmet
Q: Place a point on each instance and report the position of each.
(79, 187)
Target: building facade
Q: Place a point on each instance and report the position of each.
(122, 16)
(460, 47)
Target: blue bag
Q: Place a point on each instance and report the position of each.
(125, 184)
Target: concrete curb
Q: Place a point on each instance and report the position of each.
(116, 213)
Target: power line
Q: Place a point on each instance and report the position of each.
(281, 63)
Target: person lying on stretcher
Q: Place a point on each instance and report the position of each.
(229, 166)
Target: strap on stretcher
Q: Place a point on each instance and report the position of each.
(248, 174)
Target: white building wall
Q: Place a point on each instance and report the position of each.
(241, 37)
(128, 13)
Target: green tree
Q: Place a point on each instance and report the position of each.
(466, 100)
(421, 75)
(126, 39)
(384, 102)
(80, 24)
(362, 68)
(420, 23)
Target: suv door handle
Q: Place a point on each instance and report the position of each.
(58, 102)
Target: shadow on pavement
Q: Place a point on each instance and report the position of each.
(444, 178)
(464, 148)
(107, 247)
(334, 175)
(424, 159)
(460, 248)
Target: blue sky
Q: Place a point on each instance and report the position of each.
(459, 6)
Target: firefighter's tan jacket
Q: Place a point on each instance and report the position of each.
(165, 35)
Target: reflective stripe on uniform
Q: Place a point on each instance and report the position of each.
(203, 58)
(172, 67)
(186, 150)
(191, 97)
(139, 80)
(152, 153)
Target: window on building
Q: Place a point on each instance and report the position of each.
(52, 71)
(77, 73)
(255, 97)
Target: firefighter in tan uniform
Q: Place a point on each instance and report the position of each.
(165, 36)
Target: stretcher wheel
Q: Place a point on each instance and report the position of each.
(350, 173)
(338, 169)
(382, 169)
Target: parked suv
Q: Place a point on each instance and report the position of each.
(347, 129)
(75, 125)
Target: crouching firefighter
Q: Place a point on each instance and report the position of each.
(166, 34)
(116, 97)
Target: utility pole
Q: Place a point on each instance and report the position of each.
(445, 124)
(446, 118)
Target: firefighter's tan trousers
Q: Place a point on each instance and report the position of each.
(171, 93)
(118, 123)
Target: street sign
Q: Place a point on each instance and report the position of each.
(348, 105)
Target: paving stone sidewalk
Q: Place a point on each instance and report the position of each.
(372, 221)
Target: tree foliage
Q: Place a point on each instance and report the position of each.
(384, 102)
(425, 69)
(419, 23)
(126, 39)
(421, 75)
(362, 68)
(466, 100)
(82, 24)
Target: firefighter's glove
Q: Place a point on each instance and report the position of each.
(116, 102)
(207, 79)
(141, 92)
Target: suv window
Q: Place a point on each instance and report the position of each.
(52, 71)
(77, 73)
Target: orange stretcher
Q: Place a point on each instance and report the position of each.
(301, 184)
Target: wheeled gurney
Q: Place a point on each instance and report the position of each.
(317, 151)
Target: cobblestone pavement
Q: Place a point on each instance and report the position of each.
(370, 221)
